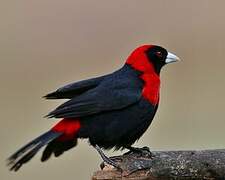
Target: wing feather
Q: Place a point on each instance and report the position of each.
(74, 89)
(108, 96)
(107, 93)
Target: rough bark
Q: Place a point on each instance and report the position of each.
(205, 164)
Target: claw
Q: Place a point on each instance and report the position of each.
(106, 159)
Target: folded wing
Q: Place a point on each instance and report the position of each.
(110, 95)
(74, 89)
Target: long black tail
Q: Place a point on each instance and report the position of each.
(28, 151)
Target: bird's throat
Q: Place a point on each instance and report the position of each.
(151, 87)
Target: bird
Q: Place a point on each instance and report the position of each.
(111, 111)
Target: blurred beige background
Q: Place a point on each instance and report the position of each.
(45, 44)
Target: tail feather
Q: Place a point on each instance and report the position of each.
(57, 148)
(25, 158)
(62, 137)
(28, 151)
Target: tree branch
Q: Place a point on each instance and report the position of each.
(207, 164)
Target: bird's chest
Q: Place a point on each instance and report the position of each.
(151, 88)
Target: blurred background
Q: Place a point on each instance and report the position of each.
(46, 44)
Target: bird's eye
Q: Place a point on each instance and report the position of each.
(159, 54)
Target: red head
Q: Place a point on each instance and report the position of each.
(150, 58)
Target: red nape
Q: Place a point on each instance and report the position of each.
(69, 128)
(139, 60)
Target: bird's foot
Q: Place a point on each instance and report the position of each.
(110, 161)
(143, 152)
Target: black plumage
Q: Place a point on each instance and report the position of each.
(111, 111)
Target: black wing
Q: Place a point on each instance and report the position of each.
(71, 90)
(112, 94)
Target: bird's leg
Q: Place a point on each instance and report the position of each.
(106, 159)
(144, 151)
